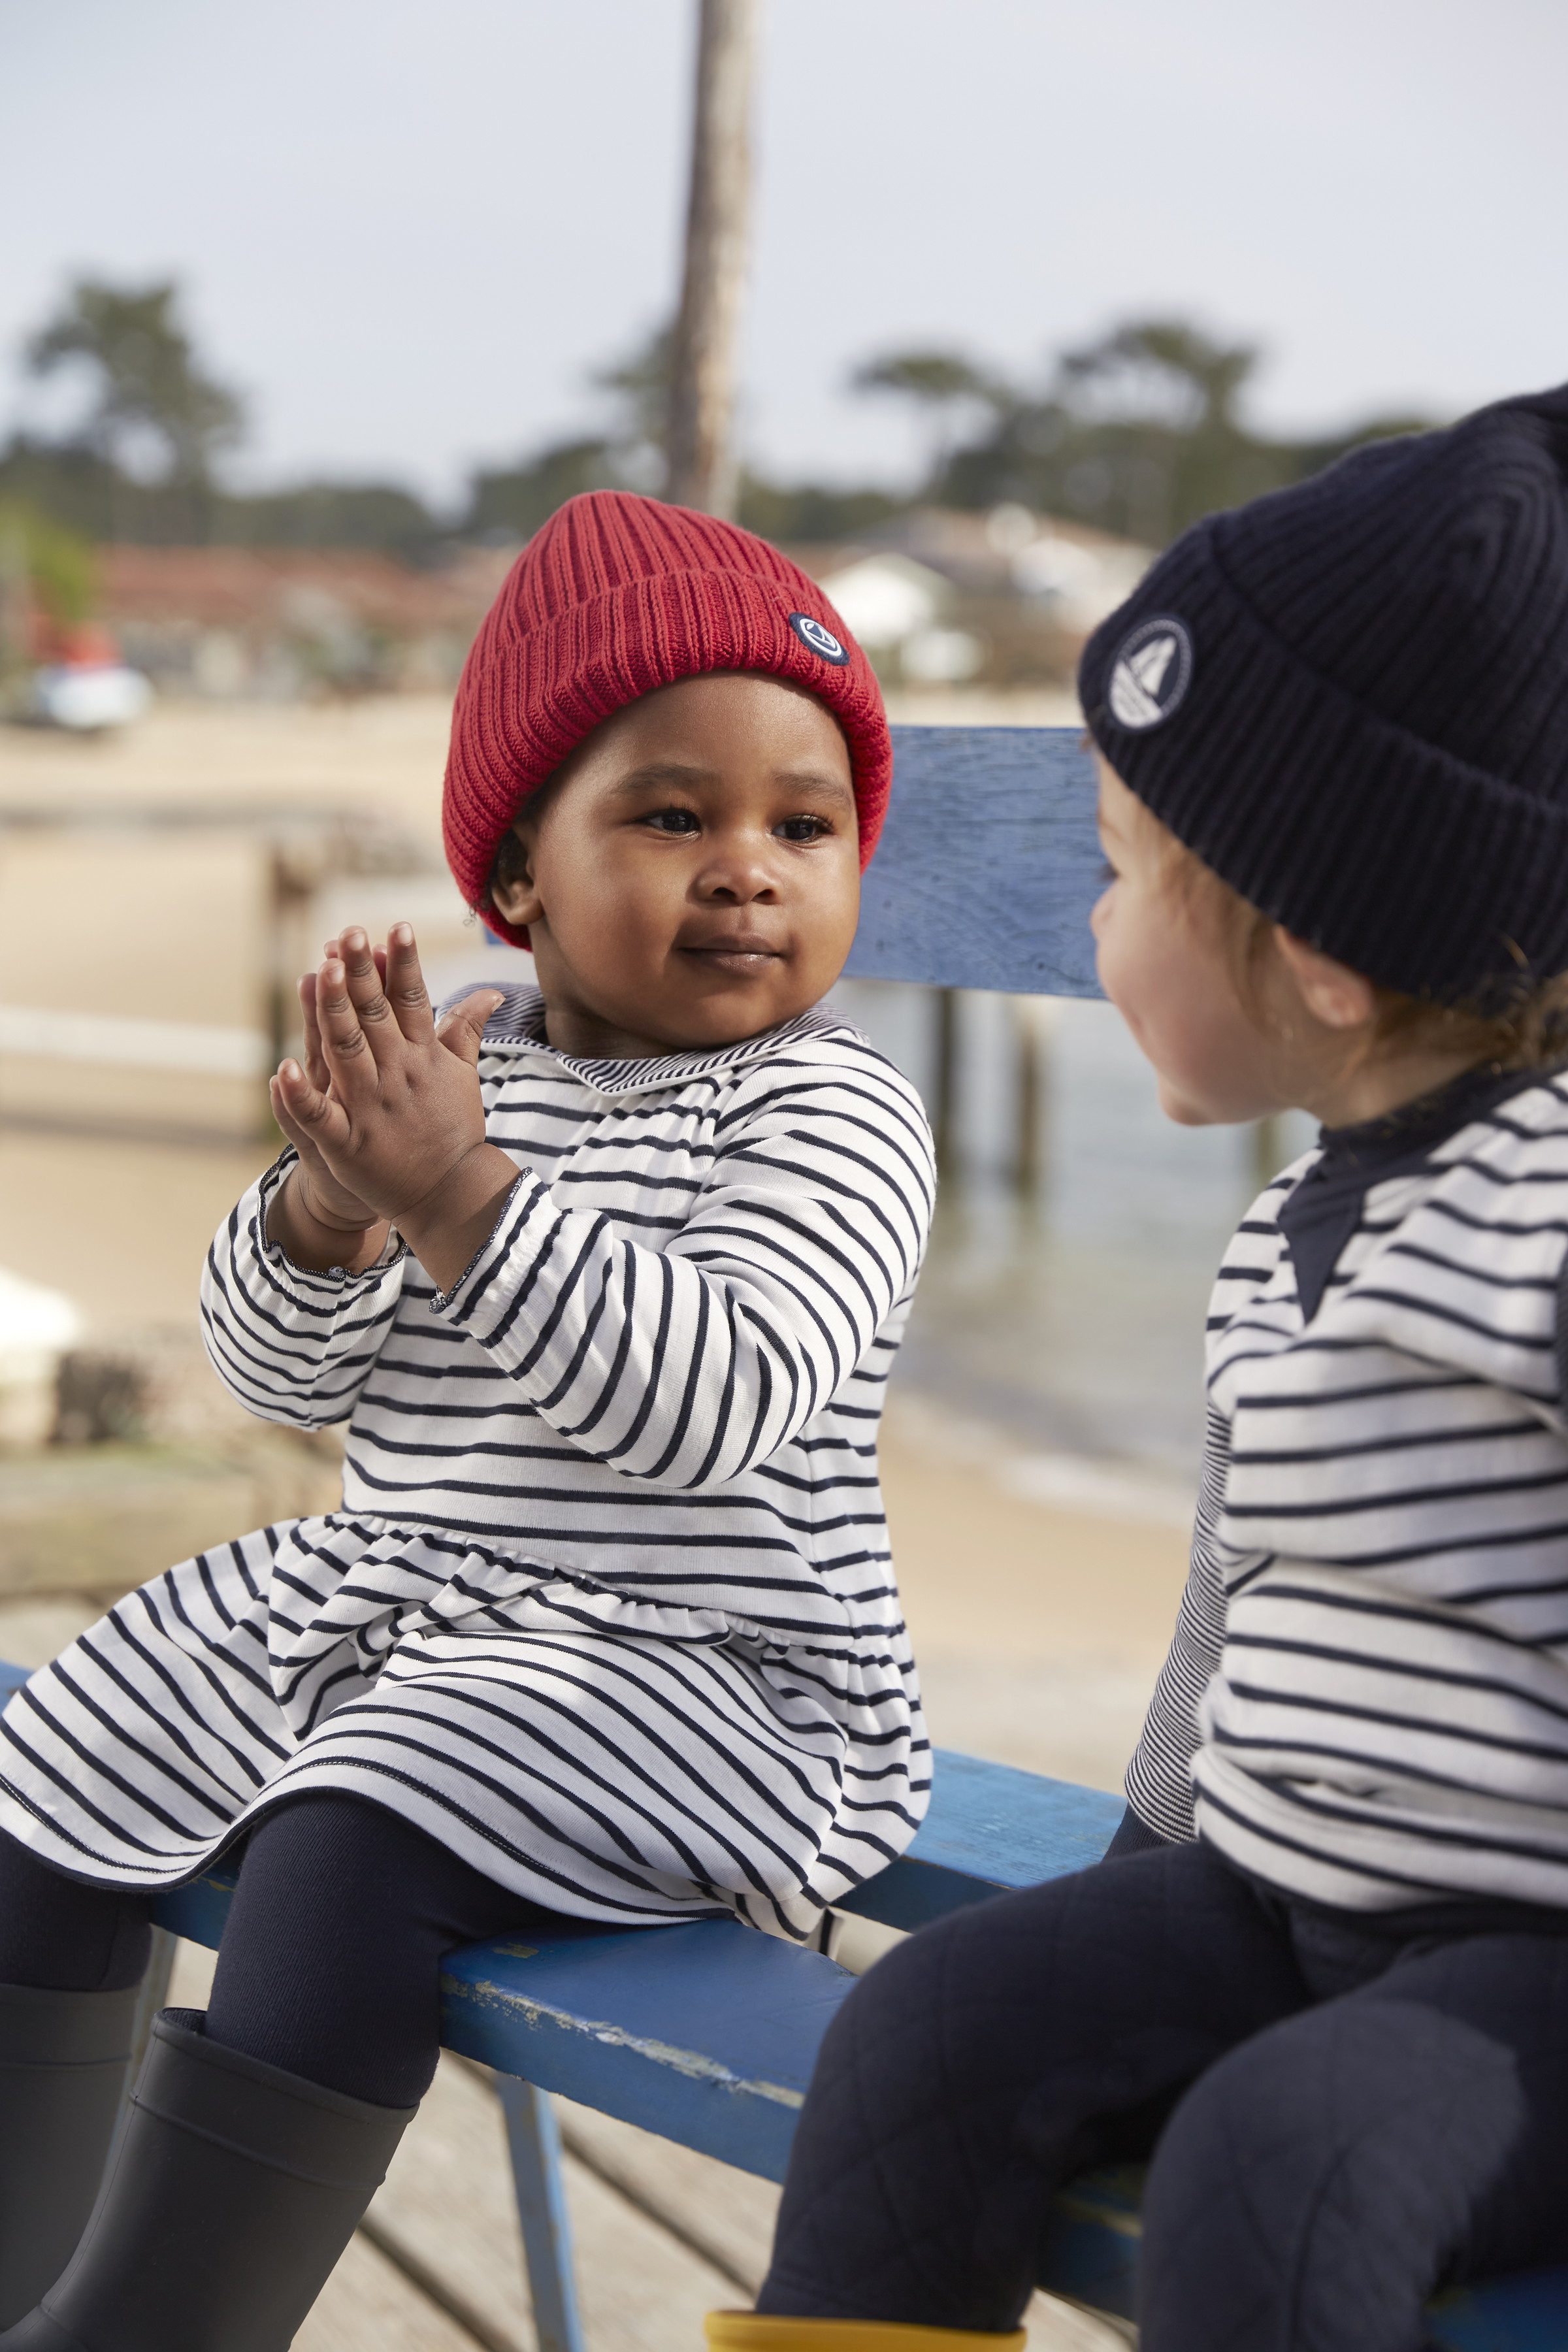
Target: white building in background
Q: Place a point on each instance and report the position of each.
(895, 606)
(1079, 575)
(884, 600)
(939, 596)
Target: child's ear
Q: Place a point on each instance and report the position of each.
(513, 891)
(1332, 993)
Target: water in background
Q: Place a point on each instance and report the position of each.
(1071, 1320)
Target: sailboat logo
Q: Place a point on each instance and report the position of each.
(819, 637)
(1150, 674)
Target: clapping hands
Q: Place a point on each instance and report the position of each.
(387, 1114)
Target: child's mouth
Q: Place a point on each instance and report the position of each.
(744, 956)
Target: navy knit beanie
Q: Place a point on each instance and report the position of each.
(1349, 699)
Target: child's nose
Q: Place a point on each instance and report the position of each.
(740, 875)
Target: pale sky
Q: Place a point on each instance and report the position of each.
(408, 229)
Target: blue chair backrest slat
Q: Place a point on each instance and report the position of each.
(988, 864)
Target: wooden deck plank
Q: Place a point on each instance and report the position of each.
(367, 2305)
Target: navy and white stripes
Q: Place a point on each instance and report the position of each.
(608, 1606)
(1380, 1581)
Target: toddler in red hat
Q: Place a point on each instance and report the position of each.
(606, 1276)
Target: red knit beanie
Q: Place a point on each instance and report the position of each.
(616, 595)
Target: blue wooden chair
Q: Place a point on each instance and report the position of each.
(708, 2033)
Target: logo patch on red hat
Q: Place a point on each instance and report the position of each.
(820, 640)
(1150, 674)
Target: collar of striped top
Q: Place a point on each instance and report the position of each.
(517, 1025)
(1324, 1210)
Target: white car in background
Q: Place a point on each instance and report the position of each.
(88, 696)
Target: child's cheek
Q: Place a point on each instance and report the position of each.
(1143, 973)
(1116, 958)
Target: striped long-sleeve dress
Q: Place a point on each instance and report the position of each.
(608, 1607)
(1366, 1701)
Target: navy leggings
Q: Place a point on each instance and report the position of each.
(1341, 2115)
(330, 1957)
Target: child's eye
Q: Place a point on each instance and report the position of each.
(673, 820)
(1107, 874)
(803, 828)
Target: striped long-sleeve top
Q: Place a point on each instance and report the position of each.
(609, 1603)
(1366, 1701)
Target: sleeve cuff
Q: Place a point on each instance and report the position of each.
(443, 1299)
(316, 1278)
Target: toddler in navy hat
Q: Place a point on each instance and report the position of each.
(1320, 1983)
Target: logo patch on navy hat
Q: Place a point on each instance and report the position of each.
(820, 639)
(1150, 674)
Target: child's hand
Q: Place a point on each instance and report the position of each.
(389, 1108)
(331, 1204)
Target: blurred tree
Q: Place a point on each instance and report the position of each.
(943, 385)
(806, 514)
(638, 386)
(71, 484)
(1166, 370)
(60, 565)
(512, 501)
(150, 401)
(46, 573)
(331, 514)
(1137, 433)
(628, 454)
(90, 495)
(139, 465)
(1158, 399)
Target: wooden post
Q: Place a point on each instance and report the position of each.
(945, 1079)
(703, 469)
(1033, 1020)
